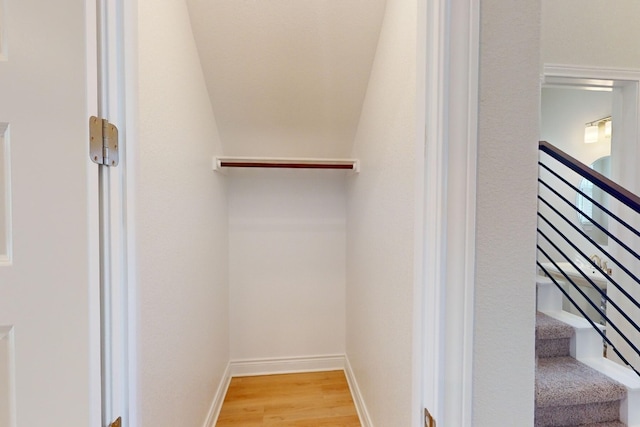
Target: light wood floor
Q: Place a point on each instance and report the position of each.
(318, 399)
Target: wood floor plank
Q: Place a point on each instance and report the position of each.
(315, 399)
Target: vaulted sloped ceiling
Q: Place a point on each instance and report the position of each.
(287, 77)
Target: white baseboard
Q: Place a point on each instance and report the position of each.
(358, 400)
(218, 399)
(286, 365)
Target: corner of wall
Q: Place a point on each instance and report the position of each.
(218, 398)
(181, 227)
(380, 228)
(358, 399)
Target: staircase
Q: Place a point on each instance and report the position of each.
(569, 393)
(575, 385)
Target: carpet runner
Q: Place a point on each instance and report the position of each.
(569, 393)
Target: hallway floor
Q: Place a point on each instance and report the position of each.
(316, 399)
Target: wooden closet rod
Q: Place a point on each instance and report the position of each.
(284, 163)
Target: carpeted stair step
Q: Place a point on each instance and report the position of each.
(607, 424)
(569, 393)
(552, 336)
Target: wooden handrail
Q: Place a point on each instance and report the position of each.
(622, 194)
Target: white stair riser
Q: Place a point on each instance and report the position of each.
(586, 344)
(549, 297)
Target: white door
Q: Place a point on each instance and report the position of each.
(48, 278)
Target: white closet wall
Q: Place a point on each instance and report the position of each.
(181, 226)
(287, 237)
(380, 225)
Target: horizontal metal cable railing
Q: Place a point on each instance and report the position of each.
(569, 230)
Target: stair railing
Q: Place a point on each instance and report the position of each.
(560, 233)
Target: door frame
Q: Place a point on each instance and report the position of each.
(626, 105)
(448, 86)
(628, 81)
(118, 303)
(625, 151)
(447, 95)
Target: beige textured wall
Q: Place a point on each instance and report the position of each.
(591, 33)
(509, 105)
(181, 226)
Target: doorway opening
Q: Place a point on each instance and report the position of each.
(573, 100)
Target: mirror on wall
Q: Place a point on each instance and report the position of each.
(602, 166)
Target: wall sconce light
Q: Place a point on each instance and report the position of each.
(597, 130)
(590, 133)
(607, 128)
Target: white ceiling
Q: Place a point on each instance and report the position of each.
(287, 77)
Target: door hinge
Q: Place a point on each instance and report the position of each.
(103, 142)
(429, 421)
(116, 423)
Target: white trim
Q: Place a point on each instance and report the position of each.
(469, 102)
(129, 164)
(596, 73)
(117, 28)
(433, 239)
(286, 365)
(448, 274)
(6, 259)
(218, 398)
(358, 399)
